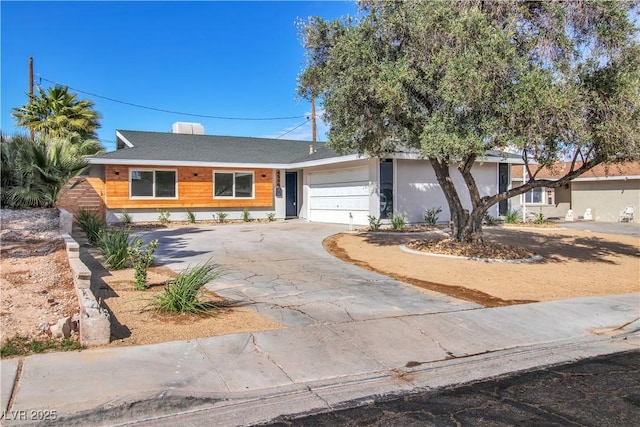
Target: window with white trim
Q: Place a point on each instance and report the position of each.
(233, 185)
(540, 196)
(153, 184)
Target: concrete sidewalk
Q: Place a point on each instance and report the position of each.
(249, 378)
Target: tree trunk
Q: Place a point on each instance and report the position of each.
(465, 226)
(471, 230)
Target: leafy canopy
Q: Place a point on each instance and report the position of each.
(454, 79)
(58, 113)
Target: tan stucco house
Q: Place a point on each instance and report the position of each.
(606, 189)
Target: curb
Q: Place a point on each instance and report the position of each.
(536, 258)
(170, 407)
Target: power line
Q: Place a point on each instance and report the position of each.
(173, 112)
(291, 130)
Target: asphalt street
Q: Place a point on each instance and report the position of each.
(601, 391)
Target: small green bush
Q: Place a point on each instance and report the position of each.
(183, 294)
(271, 216)
(163, 216)
(220, 216)
(126, 217)
(114, 245)
(431, 215)
(398, 222)
(141, 257)
(511, 217)
(540, 219)
(374, 222)
(91, 223)
(246, 216)
(489, 220)
(191, 217)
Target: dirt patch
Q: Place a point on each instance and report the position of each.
(335, 245)
(36, 285)
(574, 264)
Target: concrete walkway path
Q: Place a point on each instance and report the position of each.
(248, 378)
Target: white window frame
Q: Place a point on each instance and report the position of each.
(545, 199)
(234, 197)
(132, 197)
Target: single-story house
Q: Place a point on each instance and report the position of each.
(207, 174)
(606, 190)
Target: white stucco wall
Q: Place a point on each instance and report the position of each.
(417, 188)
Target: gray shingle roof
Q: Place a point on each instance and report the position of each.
(174, 147)
(161, 146)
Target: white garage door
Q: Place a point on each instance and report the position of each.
(335, 194)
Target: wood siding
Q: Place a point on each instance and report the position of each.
(193, 191)
(83, 193)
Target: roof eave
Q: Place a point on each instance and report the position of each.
(175, 163)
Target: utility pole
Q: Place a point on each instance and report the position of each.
(31, 88)
(313, 118)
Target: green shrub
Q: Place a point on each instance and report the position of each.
(141, 257)
(92, 224)
(271, 216)
(511, 217)
(220, 216)
(246, 216)
(489, 220)
(191, 217)
(114, 244)
(126, 217)
(163, 216)
(398, 222)
(374, 222)
(183, 294)
(540, 219)
(431, 215)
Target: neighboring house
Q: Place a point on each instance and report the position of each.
(606, 190)
(207, 174)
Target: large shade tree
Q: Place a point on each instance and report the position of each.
(57, 113)
(548, 80)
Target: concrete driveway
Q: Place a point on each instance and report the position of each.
(623, 228)
(282, 271)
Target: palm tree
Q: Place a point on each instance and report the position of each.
(58, 113)
(35, 172)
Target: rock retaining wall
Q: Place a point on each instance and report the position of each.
(95, 326)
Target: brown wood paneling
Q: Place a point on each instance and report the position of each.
(195, 189)
(85, 192)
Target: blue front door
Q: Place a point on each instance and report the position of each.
(291, 194)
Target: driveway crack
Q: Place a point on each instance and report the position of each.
(259, 351)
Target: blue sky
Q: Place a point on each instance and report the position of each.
(230, 59)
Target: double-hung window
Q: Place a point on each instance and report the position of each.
(233, 185)
(540, 196)
(153, 184)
